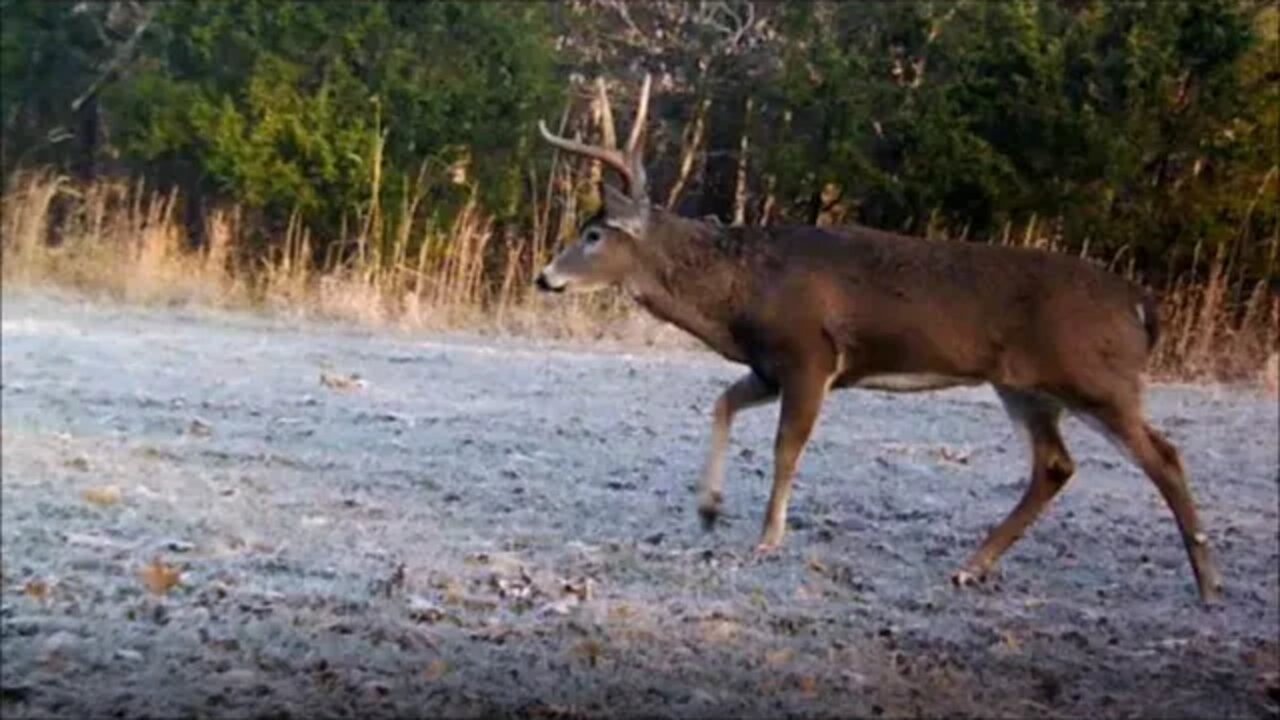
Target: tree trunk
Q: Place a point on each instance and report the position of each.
(693, 142)
(770, 201)
(744, 150)
(88, 125)
(815, 206)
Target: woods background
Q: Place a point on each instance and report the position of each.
(380, 160)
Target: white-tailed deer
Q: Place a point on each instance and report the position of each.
(810, 310)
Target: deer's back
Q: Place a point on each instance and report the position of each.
(895, 304)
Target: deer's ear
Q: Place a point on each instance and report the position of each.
(624, 213)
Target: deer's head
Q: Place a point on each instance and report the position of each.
(611, 245)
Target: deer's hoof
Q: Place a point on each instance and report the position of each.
(1211, 594)
(765, 550)
(966, 577)
(709, 514)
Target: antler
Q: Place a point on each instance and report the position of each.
(629, 161)
(642, 112)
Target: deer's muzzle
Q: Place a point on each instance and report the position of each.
(545, 285)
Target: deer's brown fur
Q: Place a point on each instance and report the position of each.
(809, 310)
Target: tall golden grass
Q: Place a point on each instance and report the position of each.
(125, 240)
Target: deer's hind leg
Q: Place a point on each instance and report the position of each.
(1051, 468)
(1124, 424)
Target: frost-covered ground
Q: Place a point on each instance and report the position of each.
(481, 526)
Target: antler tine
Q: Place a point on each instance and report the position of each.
(642, 113)
(606, 116)
(609, 156)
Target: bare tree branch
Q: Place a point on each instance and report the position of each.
(690, 153)
(119, 60)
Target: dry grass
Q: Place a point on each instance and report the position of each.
(1208, 335)
(125, 241)
(112, 237)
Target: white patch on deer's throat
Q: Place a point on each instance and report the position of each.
(1142, 314)
(911, 382)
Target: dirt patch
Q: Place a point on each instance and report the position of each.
(194, 522)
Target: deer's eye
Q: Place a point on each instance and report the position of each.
(591, 237)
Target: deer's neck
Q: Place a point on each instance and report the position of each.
(692, 283)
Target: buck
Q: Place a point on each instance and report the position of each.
(810, 310)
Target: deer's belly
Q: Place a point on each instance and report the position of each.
(908, 382)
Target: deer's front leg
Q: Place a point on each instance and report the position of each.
(747, 392)
(802, 395)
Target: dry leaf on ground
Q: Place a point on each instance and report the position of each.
(200, 427)
(342, 382)
(103, 495)
(36, 590)
(959, 457)
(435, 670)
(159, 577)
(778, 658)
(589, 650)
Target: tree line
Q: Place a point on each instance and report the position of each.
(1137, 132)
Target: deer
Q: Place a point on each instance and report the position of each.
(810, 310)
